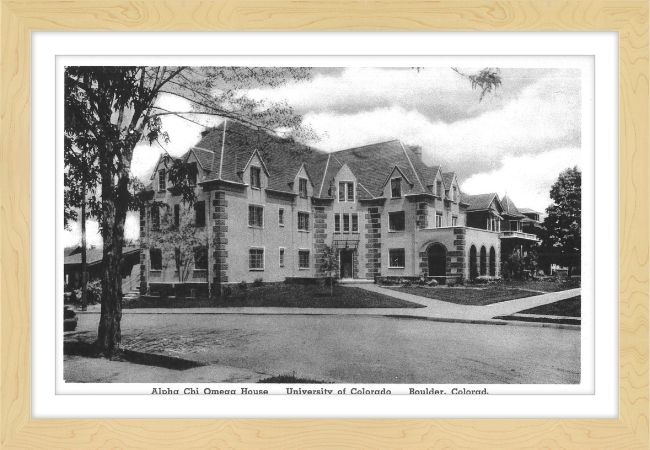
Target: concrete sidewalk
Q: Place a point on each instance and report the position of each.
(434, 309)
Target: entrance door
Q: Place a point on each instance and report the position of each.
(346, 263)
(437, 261)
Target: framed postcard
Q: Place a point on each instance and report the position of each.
(409, 235)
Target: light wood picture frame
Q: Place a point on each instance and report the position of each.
(19, 19)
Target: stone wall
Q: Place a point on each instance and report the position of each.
(373, 243)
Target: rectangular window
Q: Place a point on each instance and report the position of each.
(155, 254)
(337, 223)
(396, 187)
(454, 221)
(162, 182)
(455, 194)
(281, 217)
(201, 257)
(396, 258)
(303, 221)
(514, 225)
(346, 223)
(256, 258)
(303, 259)
(396, 221)
(155, 217)
(199, 213)
(177, 215)
(255, 216)
(302, 187)
(192, 173)
(439, 188)
(438, 220)
(256, 181)
(281, 257)
(355, 223)
(346, 191)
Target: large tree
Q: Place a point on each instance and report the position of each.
(110, 109)
(561, 238)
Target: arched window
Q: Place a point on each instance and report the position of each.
(473, 269)
(493, 262)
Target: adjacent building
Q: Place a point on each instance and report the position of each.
(268, 208)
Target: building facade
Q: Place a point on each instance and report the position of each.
(269, 208)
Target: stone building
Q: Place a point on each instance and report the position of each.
(267, 208)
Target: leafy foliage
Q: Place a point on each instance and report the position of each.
(487, 80)
(179, 244)
(330, 264)
(561, 238)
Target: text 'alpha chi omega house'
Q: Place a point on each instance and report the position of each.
(268, 208)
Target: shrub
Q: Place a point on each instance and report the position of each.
(433, 283)
(242, 286)
(93, 293)
(226, 291)
(258, 282)
(407, 283)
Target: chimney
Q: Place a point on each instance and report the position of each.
(417, 149)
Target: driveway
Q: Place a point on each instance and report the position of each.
(356, 349)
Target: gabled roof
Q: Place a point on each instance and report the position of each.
(481, 202)
(448, 178)
(371, 164)
(282, 158)
(401, 172)
(509, 207)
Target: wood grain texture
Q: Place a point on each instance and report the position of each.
(18, 430)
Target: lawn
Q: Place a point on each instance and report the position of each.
(282, 295)
(470, 296)
(544, 286)
(569, 307)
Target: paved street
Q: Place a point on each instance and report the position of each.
(342, 348)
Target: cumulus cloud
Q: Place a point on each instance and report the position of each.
(527, 179)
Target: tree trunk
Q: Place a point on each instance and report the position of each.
(114, 209)
(84, 267)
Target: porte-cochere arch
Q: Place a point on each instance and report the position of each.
(473, 267)
(437, 260)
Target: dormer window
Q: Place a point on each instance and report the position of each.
(256, 179)
(192, 173)
(454, 194)
(346, 191)
(396, 187)
(302, 187)
(439, 188)
(162, 183)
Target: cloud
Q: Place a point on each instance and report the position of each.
(527, 179)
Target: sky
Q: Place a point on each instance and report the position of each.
(516, 140)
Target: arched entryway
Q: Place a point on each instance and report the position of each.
(437, 255)
(473, 269)
(483, 261)
(493, 262)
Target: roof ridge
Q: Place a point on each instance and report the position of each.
(322, 183)
(412, 166)
(364, 146)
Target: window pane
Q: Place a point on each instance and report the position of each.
(281, 216)
(350, 192)
(396, 257)
(395, 187)
(200, 258)
(281, 257)
(155, 217)
(256, 258)
(303, 259)
(255, 177)
(161, 180)
(346, 223)
(337, 223)
(355, 223)
(303, 187)
(199, 209)
(177, 215)
(341, 192)
(155, 254)
(396, 221)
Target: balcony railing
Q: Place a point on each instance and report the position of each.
(345, 240)
(518, 235)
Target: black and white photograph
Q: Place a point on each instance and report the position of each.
(263, 228)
